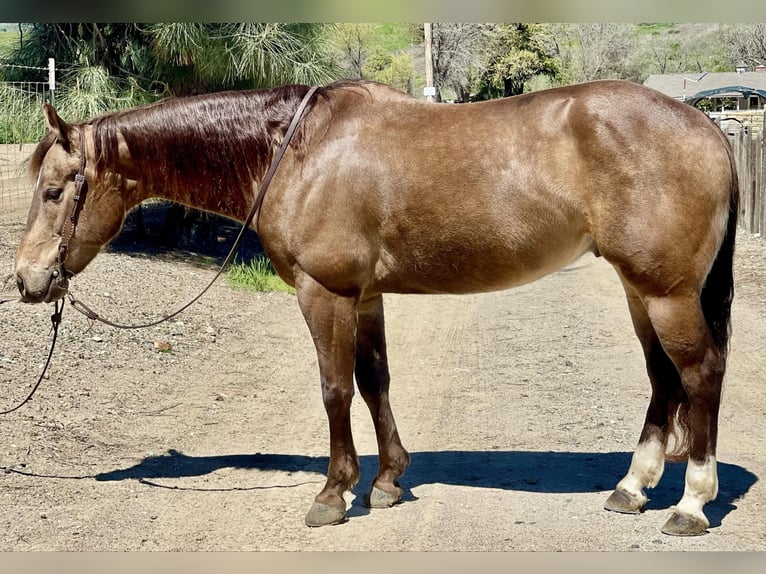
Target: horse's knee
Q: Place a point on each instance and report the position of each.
(337, 397)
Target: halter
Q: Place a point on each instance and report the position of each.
(67, 230)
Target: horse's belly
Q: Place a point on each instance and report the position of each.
(471, 268)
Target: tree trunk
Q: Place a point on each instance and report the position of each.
(512, 87)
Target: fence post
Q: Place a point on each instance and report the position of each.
(755, 169)
(52, 79)
(761, 150)
(740, 150)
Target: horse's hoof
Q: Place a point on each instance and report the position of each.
(621, 501)
(378, 498)
(684, 525)
(324, 515)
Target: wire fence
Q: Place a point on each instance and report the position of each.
(21, 126)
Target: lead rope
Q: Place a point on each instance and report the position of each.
(92, 315)
(55, 322)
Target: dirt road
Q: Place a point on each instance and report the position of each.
(520, 410)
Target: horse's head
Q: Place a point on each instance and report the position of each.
(57, 220)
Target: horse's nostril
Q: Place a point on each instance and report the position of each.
(20, 284)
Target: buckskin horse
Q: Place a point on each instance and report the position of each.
(379, 192)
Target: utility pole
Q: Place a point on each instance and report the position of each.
(429, 91)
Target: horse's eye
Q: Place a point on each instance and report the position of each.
(53, 194)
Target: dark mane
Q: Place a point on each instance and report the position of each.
(217, 143)
(212, 143)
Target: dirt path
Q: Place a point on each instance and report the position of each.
(520, 410)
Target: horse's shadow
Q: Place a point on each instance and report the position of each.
(542, 472)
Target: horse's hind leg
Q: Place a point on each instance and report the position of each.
(331, 319)
(372, 378)
(683, 332)
(685, 336)
(648, 461)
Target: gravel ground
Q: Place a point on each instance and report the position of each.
(520, 409)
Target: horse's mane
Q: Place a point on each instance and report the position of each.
(212, 143)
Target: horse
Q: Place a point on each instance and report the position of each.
(381, 192)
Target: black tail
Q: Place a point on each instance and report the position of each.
(718, 292)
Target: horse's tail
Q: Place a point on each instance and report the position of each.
(718, 291)
(716, 298)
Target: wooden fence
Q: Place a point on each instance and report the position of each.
(748, 145)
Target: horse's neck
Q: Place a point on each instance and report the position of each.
(230, 203)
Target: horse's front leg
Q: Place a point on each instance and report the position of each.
(373, 379)
(331, 319)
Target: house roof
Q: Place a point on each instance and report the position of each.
(729, 91)
(696, 85)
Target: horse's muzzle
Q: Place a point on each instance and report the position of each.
(51, 288)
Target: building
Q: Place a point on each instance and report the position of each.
(715, 91)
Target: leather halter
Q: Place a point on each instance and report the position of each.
(67, 230)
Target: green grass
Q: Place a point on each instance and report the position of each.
(257, 275)
(9, 39)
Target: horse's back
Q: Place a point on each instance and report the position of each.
(482, 196)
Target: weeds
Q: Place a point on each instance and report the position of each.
(257, 275)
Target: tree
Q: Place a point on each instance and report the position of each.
(457, 55)
(746, 43)
(96, 68)
(361, 57)
(595, 51)
(591, 51)
(678, 48)
(516, 53)
(393, 69)
(197, 57)
(125, 64)
(352, 41)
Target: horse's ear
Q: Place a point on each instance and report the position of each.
(56, 124)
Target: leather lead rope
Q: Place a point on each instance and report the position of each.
(58, 307)
(256, 209)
